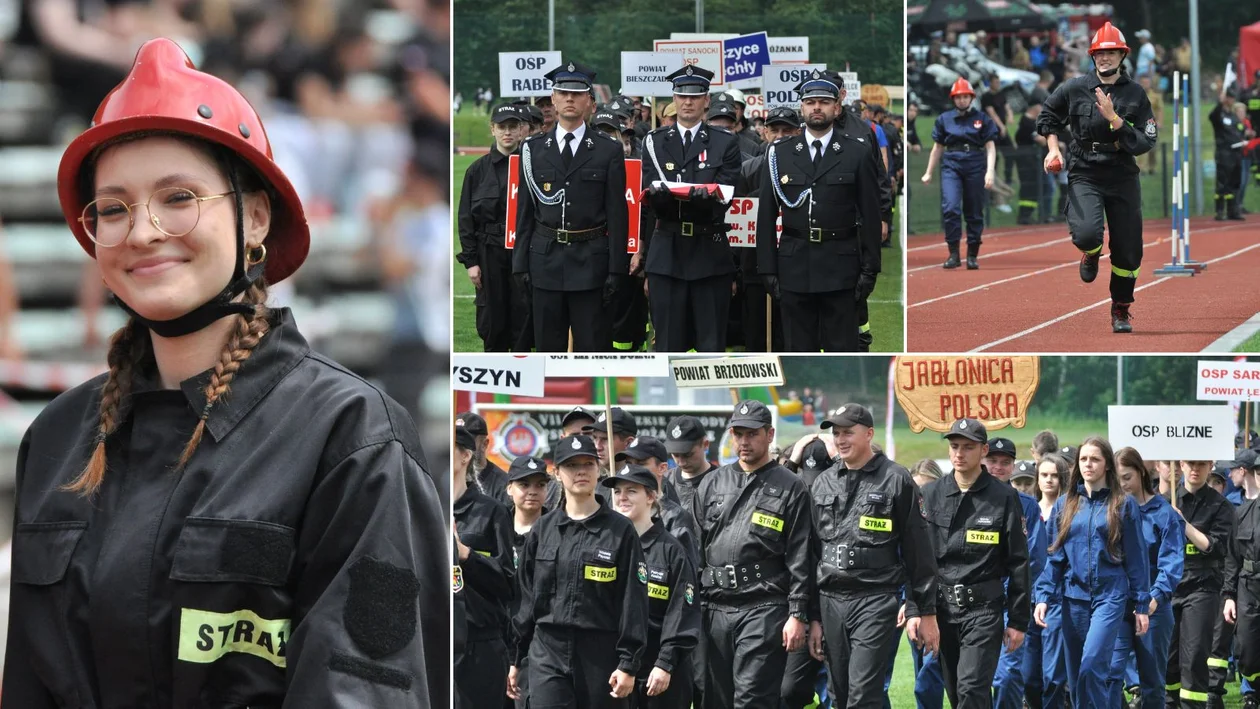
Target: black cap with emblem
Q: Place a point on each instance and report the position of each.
(607, 119)
(572, 77)
(1023, 469)
(750, 414)
(464, 439)
(576, 413)
(526, 465)
(1244, 458)
(507, 112)
(821, 84)
(622, 422)
(644, 447)
(472, 423)
(631, 473)
(849, 415)
(1002, 446)
(682, 434)
(721, 110)
(535, 115)
(573, 447)
(1069, 452)
(785, 115)
(970, 429)
(691, 80)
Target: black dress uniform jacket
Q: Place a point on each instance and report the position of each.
(300, 559)
(586, 574)
(1213, 515)
(1242, 562)
(673, 616)
(871, 535)
(1094, 145)
(980, 536)
(595, 198)
(489, 571)
(714, 158)
(748, 518)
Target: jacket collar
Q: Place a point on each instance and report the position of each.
(951, 482)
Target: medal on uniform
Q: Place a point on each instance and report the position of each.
(784, 179)
(669, 166)
(546, 187)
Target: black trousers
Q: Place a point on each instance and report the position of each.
(502, 309)
(1247, 649)
(1229, 175)
(971, 642)
(677, 696)
(629, 315)
(1218, 659)
(555, 312)
(1194, 618)
(690, 314)
(1029, 183)
(570, 670)
(522, 683)
(815, 322)
(797, 689)
(860, 635)
(481, 672)
(754, 320)
(746, 657)
(1117, 199)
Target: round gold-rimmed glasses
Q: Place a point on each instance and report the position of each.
(174, 211)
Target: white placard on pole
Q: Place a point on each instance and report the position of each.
(705, 53)
(522, 73)
(518, 375)
(607, 365)
(1228, 381)
(788, 50)
(1173, 432)
(727, 372)
(643, 73)
(779, 81)
(852, 87)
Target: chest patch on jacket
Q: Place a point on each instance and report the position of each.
(205, 636)
(658, 591)
(603, 555)
(979, 536)
(762, 519)
(875, 524)
(599, 573)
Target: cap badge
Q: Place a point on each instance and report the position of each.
(997, 445)
(625, 470)
(459, 422)
(817, 74)
(677, 432)
(577, 445)
(570, 67)
(690, 71)
(809, 463)
(743, 409)
(634, 443)
(532, 465)
(962, 424)
(601, 417)
(841, 409)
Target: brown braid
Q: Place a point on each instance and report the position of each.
(249, 330)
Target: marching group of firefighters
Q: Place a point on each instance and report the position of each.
(568, 281)
(1081, 578)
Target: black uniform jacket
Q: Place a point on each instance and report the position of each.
(686, 487)
(300, 559)
(679, 523)
(595, 198)
(673, 616)
(1242, 563)
(714, 158)
(1226, 128)
(586, 574)
(1213, 515)
(751, 517)
(871, 535)
(489, 571)
(1094, 145)
(826, 247)
(483, 206)
(494, 483)
(980, 536)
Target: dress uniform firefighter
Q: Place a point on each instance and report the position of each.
(965, 136)
(871, 538)
(572, 222)
(755, 568)
(502, 309)
(688, 260)
(1228, 131)
(584, 603)
(1111, 123)
(1242, 589)
(826, 181)
(977, 529)
(628, 308)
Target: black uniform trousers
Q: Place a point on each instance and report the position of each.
(569, 669)
(971, 642)
(1229, 175)
(522, 683)
(860, 635)
(746, 657)
(502, 309)
(678, 696)
(1218, 659)
(1118, 198)
(690, 314)
(555, 312)
(799, 680)
(629, 316)
(1247, 630)
(1030, 183)
(481, 671)
(820, 321)
(1194, 618)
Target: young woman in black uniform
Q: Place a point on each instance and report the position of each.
(527, 487)
(664, 679)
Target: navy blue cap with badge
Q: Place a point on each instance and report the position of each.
(642, 448)
(785, 115)
(821, 84)
(750, 414)
(971, 429)
(691, 80)
(632, 473)
(571, 447)
(571, 77)
(682, 434)
(524, 466)
(1002, 446)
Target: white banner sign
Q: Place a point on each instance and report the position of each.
(1173, 432)
(789, 50)
(522, 73)
(778, 83)
(745, 370)
(1229, 381)
(519, 375)
(607, 365)
(742, 220)
(643, 73)
(852, 87)
(705, 53)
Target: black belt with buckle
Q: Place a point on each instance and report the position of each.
(570, 236)
(817, 236)
(1096, 147)
(963, 148)
(693, 228)
(851, 558)
(965, 595)
(737, 575)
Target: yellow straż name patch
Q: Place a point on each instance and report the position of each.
(764, 520)
(875, 524)
(975, 536)
(1191, 549)
(599, 573)
(205, 636)
(656, 590)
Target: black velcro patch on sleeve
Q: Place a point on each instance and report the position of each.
(370, 671)
(256, 552)
(381, 609)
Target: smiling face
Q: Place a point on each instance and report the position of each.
(633, 500)
(853, 443)
(1000, 466)
(159, 276)
(1108, 59)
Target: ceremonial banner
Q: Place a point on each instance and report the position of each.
(936, 391)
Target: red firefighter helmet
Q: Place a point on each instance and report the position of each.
(961, 87)
(165, 92)
(1108, 37)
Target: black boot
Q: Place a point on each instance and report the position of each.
(1025, 216)
(1250, 701)
(1233, 210)
(1089, 266)
(1120, 317)
(1220, 209)
(973, 250)
(1215, 701)
(953, 261)
(865, 340)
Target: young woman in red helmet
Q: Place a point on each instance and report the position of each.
(1110, 122)
(225, 519)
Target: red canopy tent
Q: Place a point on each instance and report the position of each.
(1248, 53)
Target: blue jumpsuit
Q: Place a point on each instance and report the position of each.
(1015, 669)
(1099, 592)
(963, 135)
(1143, 661)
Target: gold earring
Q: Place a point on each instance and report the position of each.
(261, 251)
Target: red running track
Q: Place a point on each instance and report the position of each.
(1027, 295)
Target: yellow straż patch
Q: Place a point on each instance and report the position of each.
(599, 573)
(976, 536)
(875, 524)
(205, 636)
(656, 590)
(764, 520)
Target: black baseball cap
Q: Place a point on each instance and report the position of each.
(750, 414)
(644, 447)
(970, 429)
(1252, 439)
(472, 423)
(622, 422)
(573, 447)
(1069, 452)
(526, 465)
(682, 434)
(1023, 469)
(535, 114)
(722, 110)
(815, 456)
(634, 474)
(1002, 446)
(464, 439)
(607, 118)
(784, 114)
(849, 415)
(1221, 469)
(507, 112)
(576, 413)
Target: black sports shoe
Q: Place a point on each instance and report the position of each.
(1089, 266)
(1120, 318)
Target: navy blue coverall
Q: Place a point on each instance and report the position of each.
(963, 135)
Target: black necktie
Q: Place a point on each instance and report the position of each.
(567, 151)
(817, 152)
(686, 141)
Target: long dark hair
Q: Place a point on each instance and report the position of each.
(1061, 467)
(1130, 458)
(1115, 502)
